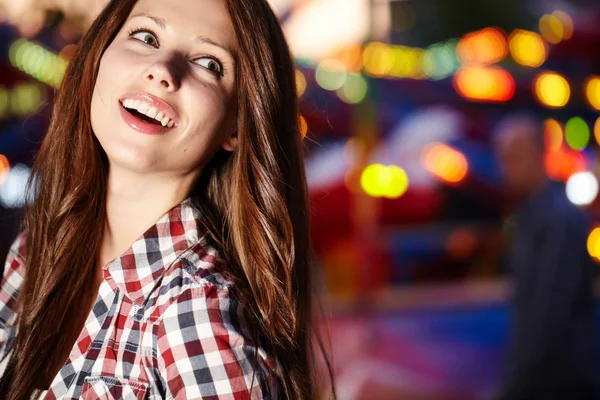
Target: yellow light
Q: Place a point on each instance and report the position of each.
(567, 23)
(378, 59)
(354, 89)
(597, 130)
(484, 83)
(4, 101)
(553, 134)
(378, 180)
(330, 74)
(552, 89)
(486, 46)
(37, 62)
(552, 28)
(593, 243)
(300, 83)
(303, 126)
(592, 91)
(528, 48)
(445, 163)
(4, 168)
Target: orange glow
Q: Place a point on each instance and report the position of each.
(486, 46)
(303, 127)
(597, 130)
(461, 244)
(567, 23)
(553, 134)
(593, 244)
(484, 83)
(4, 168)
(592, 91)
(563, 163)
(351, 57)
(445, 163)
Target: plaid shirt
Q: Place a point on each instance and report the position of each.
(167, 323)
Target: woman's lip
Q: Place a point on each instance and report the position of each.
(141, 125)
(159, 104)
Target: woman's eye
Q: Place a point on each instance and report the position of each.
(146, 37)
(210, 64)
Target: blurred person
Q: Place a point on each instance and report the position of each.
(166, 252)
(552, 351)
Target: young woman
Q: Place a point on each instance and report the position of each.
(166, 245)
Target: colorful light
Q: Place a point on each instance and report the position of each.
(553, 134)
(486, 46)
(439, 60)
(300, 83)
(528, 48)
(552, 89)
(484, 83)
(4, 168)
(592, 91)
(303, 126)
(37, 62)
(445, 163)
(378, 180)
(330, 74)
(563, 163)
(354, 89)
(567, 23)
(577, 133)
(378, 59)
(582, 188)
(593, 244)
(551, 27)
(597, 130)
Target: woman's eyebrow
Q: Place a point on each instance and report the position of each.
(162, 23)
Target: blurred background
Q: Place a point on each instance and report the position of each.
(399, 103)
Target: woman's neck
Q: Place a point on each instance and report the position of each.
(134, 203)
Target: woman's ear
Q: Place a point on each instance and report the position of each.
(231, 142)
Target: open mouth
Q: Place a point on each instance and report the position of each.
(141, 116)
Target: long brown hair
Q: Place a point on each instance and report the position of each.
(253, 203)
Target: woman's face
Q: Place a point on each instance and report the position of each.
(172, 61)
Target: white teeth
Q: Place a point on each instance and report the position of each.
(143, 108)
(149, 111)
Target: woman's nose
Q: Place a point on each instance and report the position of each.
(164, 75)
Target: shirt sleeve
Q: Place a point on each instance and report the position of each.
(204, 350)
(9, 288)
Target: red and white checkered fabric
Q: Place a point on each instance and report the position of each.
(168, 323)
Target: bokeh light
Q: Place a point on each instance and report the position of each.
(378, 180)
(4, 101)
(484, 83)
(37, 62)
(577, 133)
(303, 126)
(354, 89)
(561, 164)
(582, 188)
(551, 28)
(330, 74)
(378, 59)
(12, 191)
(486, 46)
(551, 89)
(445, 163)
(553, 134)
(597, 130)
(592, 91)
(567, 23)
(439, 60)
(4, 168)
(300, 83)
(528, 48)
(593, 244)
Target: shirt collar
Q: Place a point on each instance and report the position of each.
(137, 271)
